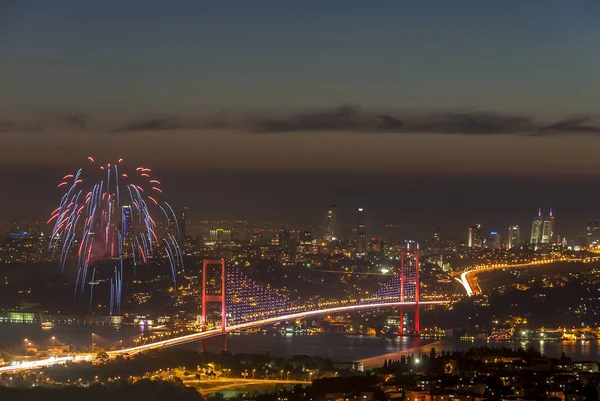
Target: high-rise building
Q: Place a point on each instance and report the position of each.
(126, 215)
(306, 237)
(361, 231)
(542, 229)
(374, 245)
(220, 235)
(514, 236)
(537, 228)
(474, 239)
(182, 222)
(285, 240)
(495, 241)
(592, 232)
(257, 237)
(548, 229)
(333, 224)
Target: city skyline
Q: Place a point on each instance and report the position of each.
(359, 201)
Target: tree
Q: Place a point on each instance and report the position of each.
(432, 354)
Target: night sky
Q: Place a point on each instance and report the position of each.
(427, 113)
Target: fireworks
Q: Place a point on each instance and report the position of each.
(107, 213)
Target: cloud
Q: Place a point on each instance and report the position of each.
(573, 125)
(20, 126)
(352, 119)
(46, 122)
(154, 124)
(76, 121)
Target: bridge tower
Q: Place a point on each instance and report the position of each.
(211, 297)
(409, 283)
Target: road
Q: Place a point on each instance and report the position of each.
(467, 277)
(233, 383)
(41, 363)
(211, 333)
(293, 316)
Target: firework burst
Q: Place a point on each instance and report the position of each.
(108, 213)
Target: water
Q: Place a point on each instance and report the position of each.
(370, 350)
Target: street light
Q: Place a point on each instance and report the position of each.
(287, 376)
(121, 341)
(26, 349)
(253, 371)
(93, 342)
(53, 338)
(281, 375)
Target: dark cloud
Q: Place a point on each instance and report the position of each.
(20, 126)
(574, 125)
(352, 119)
(70, 121)
(76, 121)
(154, 124)
(338, 119)
(46, 122)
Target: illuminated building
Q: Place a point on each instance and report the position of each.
(126, 221)
(220, 235)
(437, 235)
(256, 237)
(542, 229)
(537, 228)
(592, 232)
(181, 220)
(495, 241)
(333, 224)
(474, 239)
(361, 231)
(548, 229)
(284, 239)
(375, 245)
(514, 236)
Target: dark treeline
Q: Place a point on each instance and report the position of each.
(473, 359)
(141, 390)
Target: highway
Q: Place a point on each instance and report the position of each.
(300, 315)
(234, 383)
(41, 363)
(467, 276)
(207, 334)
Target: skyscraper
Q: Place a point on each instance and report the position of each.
(474, 239)
(126, 215)
(181, 220)
(495, 241)
(592, 232)
(537, 228)
(514, 236)
(220, 235)
(548, 229)
(333, 224)
(285, 240)
(361, 231)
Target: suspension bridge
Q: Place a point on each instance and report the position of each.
(246, 304)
